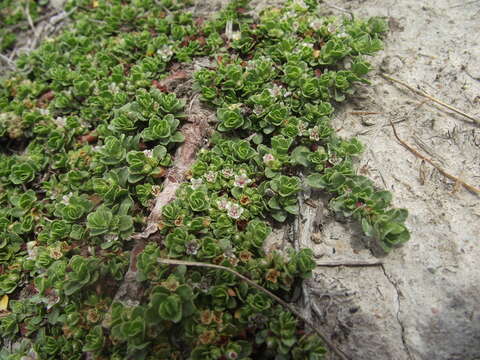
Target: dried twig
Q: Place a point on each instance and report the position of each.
(9, 62)
(29, 18)
(464, 4)
(424, 94)
(163, 7)
(421, 144)
(340, 9)
(36, 21)
(443, 172)
(282, 302)
(33, 42)
(229, 29)
(349, 263)
(365, 113)
(62, 15)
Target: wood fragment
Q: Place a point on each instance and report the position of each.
(36, 21)
(29, 18)
(349, 263)
(464, 4)
(310, 203)
(9, 62)
(171, 80)
(422, 173)
(430, 97)
(427, 149)
(471, 188)
(252, 283)
(340, 9)
(365, 113)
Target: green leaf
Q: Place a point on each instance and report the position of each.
(280, 216)
(99, 221)
(316, 181)
(22, 173)
(229, 119)
(292, 209)
(300, 155)
(171, 308)
(198, 201)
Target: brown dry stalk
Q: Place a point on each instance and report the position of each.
(36, 21)
(194, 133)
(443, 172)
(365, 113)
(430, 97)
(282, 302)
(195, 130)
(349, 263)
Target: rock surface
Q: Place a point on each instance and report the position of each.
(423, 303)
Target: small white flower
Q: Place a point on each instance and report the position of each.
(223, 204)
(110, 237)
(331, 28)
(43, 111)
(60, 121)
(210, 176)
(195, 183)
(55, 252)
(267, 158)
(148, 153)
(314, 135)
(227, 172)
(66, 198)
(275, 91)
(191, 248)
(335, 160)
(113, 87)
(32, 250)
(51, 298)
(302, 127)
(316, 24)
(165, 53)
(258, 109)
(242, 180)
(234, 210)
(305, 44)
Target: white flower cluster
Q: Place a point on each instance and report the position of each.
(148, 153)
(233, 210)
(268, 158)
(196, 183)
(242, 180)
(227, 172)
(210, 176)
(314, 134)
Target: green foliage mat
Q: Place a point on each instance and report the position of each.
(87, 135)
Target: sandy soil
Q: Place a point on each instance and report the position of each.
(424, 301)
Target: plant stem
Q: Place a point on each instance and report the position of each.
(290, 307)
